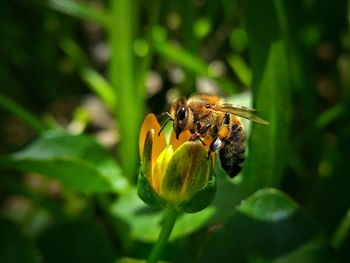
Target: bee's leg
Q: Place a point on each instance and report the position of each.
(209, 152)
(216, 145)
(204, 129)
(166, 122)
(196, 137)
(220, 132)
(226, 120)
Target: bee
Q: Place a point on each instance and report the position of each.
(209, 118)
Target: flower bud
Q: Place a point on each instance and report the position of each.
(178, 175)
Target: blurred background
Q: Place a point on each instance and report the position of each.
(77, 78)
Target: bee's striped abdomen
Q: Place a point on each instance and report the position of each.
(232, 153)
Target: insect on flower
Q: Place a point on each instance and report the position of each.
(209, 118)
(177, 174)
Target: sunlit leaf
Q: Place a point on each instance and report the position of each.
(77, 161)
(79, 10)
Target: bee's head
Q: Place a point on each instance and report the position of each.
(180, 114)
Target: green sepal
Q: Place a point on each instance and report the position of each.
(146, 192)
(201, 199)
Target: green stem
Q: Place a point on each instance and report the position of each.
(122, 76)
(169, 221)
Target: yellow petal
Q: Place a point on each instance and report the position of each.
(160, 167)
(184, 137)
(159, 142)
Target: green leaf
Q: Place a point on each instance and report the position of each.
(313, 251)
(191, 62)
(267, 227)
(342, 233)
(21, 113)
(268, 145)
(329, 116)
(145, 222)
(181, 57)
(93, 79)
(80, 10)
(76, 160)
(14, 246)
(77, 241)
(240, 68)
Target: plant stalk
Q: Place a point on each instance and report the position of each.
(157, 250)
(129, 107)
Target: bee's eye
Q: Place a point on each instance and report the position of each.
(181, 113)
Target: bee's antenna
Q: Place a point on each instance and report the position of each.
(166, 122)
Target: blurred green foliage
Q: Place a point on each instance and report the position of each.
(77, 77)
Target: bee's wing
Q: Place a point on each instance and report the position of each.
(237, 107)
(241, 111)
